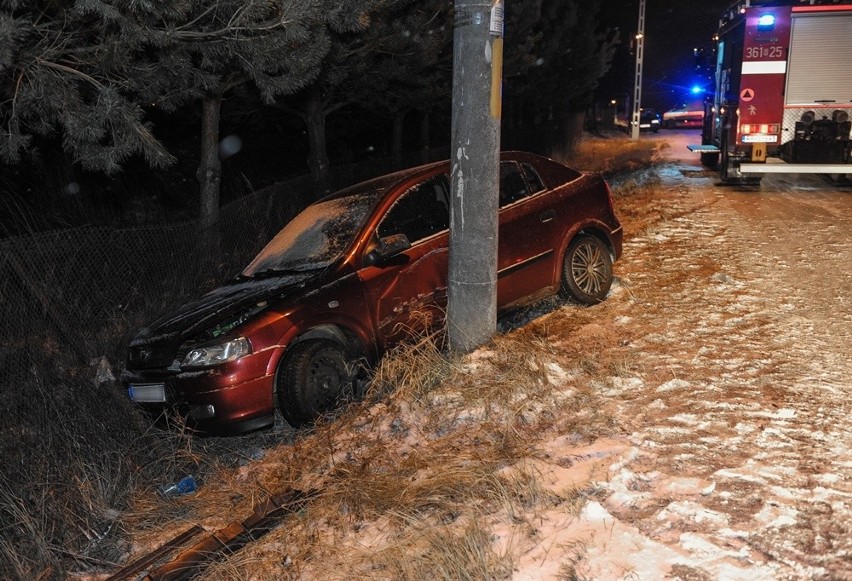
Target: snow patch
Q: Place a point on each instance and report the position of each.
(673, 384)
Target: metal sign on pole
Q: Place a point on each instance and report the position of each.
(474, 175)
(637, 83)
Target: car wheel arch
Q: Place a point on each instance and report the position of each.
(355, 353)
(590, 286)
(346, 337)
(571, 235)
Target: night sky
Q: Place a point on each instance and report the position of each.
(672, 30)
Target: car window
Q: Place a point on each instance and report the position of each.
(513, 186)
(421, 211)
(314, 238)
(533, 178)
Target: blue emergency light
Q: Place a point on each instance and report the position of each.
(766, 22)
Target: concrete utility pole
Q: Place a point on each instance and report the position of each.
(475, 180)
(637, 84)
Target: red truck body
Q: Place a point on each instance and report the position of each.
(783, 91)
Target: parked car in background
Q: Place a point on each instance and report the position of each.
(649, 120)
(689, 114)
(353, 275)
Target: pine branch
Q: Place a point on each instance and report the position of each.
(70, 71)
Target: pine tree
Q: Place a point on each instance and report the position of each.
(381, 64)
(56, 78)
(564, 54)
(197, 51)
(88, 69)
(412, 64)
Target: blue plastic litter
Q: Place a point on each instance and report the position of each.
(185, 485)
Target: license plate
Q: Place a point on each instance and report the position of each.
(760, 138)
(147, 392)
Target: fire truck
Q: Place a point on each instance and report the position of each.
(783, 91)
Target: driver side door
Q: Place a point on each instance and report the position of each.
(407, 294)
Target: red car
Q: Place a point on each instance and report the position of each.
(353, 275)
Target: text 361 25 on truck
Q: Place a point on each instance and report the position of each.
(783, 91)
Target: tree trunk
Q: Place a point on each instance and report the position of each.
(209, 172)
(317, 148)
(574, 124)
(396, 136)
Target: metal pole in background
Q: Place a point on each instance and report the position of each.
(637, 84)
(474, 176)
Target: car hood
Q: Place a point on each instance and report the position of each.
(157, 344)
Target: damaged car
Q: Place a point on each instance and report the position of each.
(355, 274)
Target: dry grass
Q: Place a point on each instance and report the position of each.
(613, 153)
(460, 550)
(420, 466)
(440, 447)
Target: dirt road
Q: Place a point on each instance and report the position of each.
(736, 312)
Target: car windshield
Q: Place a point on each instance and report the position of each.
(315, 238)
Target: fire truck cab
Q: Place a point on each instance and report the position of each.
(783, 91)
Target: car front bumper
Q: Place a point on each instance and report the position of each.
(232, 398)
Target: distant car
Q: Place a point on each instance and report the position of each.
(354, 274)
(649, 120)
(684, 115)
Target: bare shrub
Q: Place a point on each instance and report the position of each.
(72, 452)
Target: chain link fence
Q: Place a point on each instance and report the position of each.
(84, 292)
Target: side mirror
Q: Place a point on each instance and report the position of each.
(388, 247)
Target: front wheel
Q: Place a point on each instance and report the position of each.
(313, 379)
(586, 270)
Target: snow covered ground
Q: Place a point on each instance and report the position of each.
(698, 426)
(736, 461)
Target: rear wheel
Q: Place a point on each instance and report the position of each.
(314, 379)
(586, 270)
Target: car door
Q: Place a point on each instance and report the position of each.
(407, 295)
(528, 230)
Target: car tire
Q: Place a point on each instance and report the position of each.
(314, 379)
(586, 270)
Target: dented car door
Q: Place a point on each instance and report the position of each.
(408, 292)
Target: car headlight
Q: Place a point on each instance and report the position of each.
(209, 355)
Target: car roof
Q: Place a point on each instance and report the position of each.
(379, 185)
